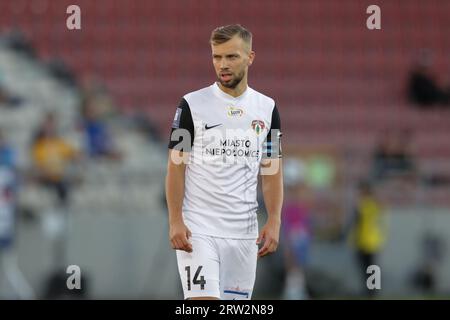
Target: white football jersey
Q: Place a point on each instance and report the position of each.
(227, 137)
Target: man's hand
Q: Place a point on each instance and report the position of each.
(270, 233)
(179, 236)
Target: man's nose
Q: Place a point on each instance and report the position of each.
(223, 65)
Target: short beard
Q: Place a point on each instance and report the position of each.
(233, 84)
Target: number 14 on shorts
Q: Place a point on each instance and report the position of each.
(196, 280)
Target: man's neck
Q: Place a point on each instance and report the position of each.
(237, 91)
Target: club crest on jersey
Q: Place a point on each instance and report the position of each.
(258, 126)
(234, 112)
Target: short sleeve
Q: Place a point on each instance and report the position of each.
(272, 145)
(182, 134)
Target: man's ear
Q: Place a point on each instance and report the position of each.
(251, 57)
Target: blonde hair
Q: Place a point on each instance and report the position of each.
(224, 33)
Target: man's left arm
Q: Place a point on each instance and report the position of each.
(272, 186)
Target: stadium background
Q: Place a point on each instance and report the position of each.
(339, 87)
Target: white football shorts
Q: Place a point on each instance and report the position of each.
(218, 267)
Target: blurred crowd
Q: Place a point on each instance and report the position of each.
(320, 203)
(55, 163)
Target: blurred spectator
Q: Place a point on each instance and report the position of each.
(393, 157)
(16, 40)
(8, 208)
(62, 72)
(7, 99)
(296, 232)
(145, 125)
(7, 154)
(51, 157)
(432, 255)
(99, 142)
(94, 92)
(7, 192)
(96, 107)
(424, 90)
(368, 230)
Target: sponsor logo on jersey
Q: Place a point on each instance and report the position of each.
(233, 148)
(234, 112)
(210, 127)
(258, 126)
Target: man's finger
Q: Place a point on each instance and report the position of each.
(262, 253)
(187, 246)
(184, 240)
(174, 244)
(261, 236)
(183, 243)
(180, 244)
(266, 246)
(273, 247)
(177, 244)
(269, 247)
(266, 252)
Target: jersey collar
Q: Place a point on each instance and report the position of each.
(219, 92)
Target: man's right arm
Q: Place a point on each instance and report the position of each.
(180, 145)
(178, 232)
